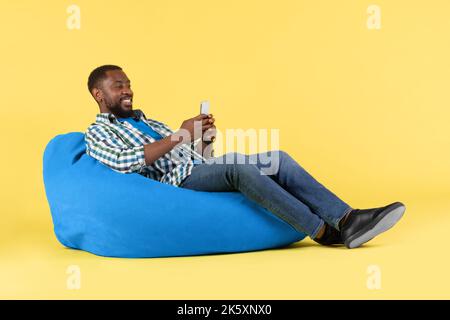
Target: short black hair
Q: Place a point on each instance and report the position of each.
(99, 74)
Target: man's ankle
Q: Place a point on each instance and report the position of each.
(321, 232)
(344, 219)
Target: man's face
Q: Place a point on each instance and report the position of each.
(117, 93)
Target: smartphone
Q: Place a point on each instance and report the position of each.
(204, 107)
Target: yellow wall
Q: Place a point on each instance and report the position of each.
(366, 111)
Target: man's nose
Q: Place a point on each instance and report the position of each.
(127, 91)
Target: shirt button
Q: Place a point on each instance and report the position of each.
(180, 154)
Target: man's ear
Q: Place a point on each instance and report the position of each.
(97, 94)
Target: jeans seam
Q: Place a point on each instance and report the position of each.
(338, 220)
(314, 234)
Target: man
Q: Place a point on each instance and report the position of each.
(126, 141)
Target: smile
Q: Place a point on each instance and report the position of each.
(126, 101)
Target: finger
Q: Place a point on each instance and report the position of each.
(208, 135)
(201, 116)
(206, 127)
(208, 121)
(200, 122)
(209, 138)
(210, 132)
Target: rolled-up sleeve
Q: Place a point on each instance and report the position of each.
(107, 148)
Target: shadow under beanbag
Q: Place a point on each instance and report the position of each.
(108, 213)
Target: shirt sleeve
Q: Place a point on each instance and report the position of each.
(107, 148)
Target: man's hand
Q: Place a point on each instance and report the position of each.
(205, 148)
(193, 128)
(209, 135)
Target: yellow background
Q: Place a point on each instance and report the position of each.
(365, 111)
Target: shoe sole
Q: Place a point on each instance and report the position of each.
(386, 220)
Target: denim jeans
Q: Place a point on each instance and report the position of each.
(276, 182)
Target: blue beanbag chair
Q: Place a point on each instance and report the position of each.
(108, 213)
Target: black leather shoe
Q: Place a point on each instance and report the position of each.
(363, 225)
(330, 236)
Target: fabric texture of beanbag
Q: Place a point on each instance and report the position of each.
(109, 213)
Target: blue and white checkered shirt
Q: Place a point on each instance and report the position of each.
(120, 146)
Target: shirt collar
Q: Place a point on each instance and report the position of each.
(107, 117)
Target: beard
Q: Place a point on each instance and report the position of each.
(119, 109)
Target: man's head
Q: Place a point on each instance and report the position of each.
(111, 88)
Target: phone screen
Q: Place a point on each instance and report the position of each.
(204, 107)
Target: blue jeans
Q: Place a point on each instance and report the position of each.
(276, 182)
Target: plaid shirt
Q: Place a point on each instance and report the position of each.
(120, 146)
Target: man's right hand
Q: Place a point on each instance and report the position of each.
(193, 128)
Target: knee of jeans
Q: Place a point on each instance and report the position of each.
(274, 154)
(283, 154)
(278, 158)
